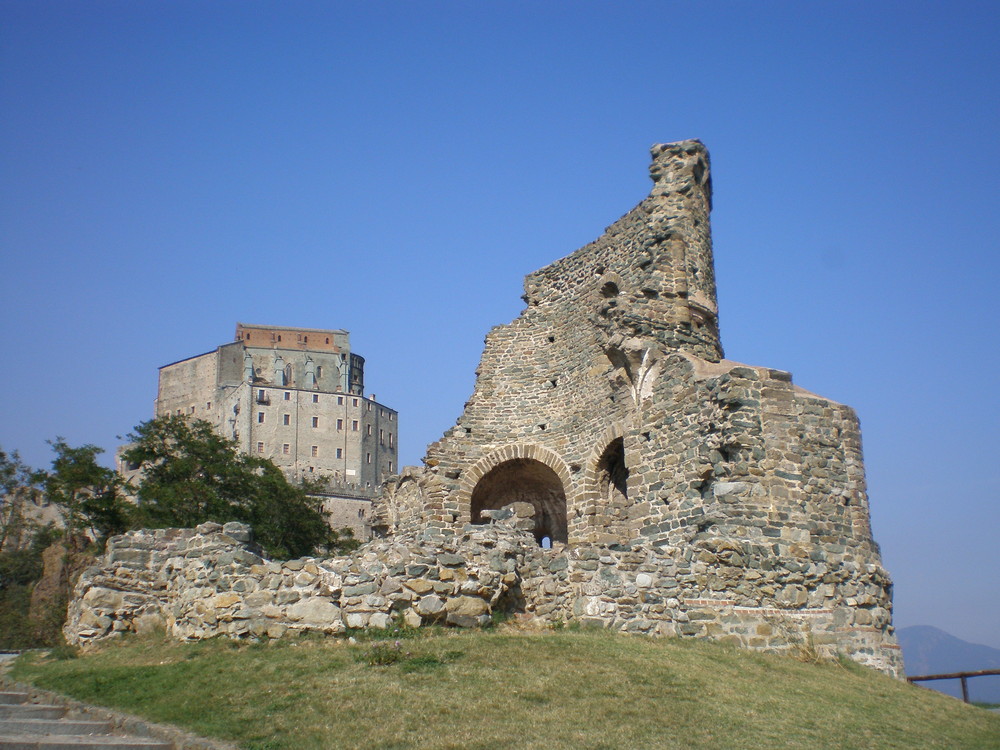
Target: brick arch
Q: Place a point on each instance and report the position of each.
(524, 451)
(590, 494)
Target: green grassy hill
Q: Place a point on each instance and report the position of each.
(561, 689)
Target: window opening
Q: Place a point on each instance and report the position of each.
(612, 472)
(529, 481)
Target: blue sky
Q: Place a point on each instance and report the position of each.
(395, 169)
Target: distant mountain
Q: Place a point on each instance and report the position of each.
(928, 650)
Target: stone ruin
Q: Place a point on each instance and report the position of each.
(611, 468)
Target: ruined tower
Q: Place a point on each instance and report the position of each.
(608, 407)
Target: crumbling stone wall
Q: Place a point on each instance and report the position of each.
(209, 581)
(610, 467)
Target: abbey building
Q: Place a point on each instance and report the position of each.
(295, 396)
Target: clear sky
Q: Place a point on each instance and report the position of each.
(395, 168)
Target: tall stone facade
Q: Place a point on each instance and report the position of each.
(295, 396)
(610, 468)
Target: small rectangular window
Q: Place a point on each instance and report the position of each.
(288, 396)
(390, 439)
(260, 417)
(340, 400)
(390, 466)
(208, 406)
(261, 395)
(354, 425)
(315, 421)
(369, 429)
(315, 398)
(260, 447)
(369, 406)
(340, 452)
(368, 457)
(315, 451)
(355, 402)
(286, 449)
(390, 416)
(381, 437)
(286, 419)
(191, 410)
(340, 424)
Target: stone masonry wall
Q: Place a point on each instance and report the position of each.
(206, 582)
(209, 581)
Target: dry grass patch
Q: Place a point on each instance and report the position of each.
(564, 689)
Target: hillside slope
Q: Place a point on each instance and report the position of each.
(562, 689)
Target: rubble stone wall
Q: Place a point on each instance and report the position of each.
(209, 581)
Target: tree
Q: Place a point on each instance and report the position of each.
(19, 487)
(89, 494)
(191, 474)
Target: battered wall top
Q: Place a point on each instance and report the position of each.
(315, 339)
(651, 274)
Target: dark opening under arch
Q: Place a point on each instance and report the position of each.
(527, 481)
(612, 472)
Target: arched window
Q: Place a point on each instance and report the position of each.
(612, 473)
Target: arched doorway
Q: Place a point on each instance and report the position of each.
(524, 480)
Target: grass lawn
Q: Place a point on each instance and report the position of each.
(561, 689)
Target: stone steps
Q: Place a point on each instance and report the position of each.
(33, 726)
(61, 725)
(30, 711)
(70, 742)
